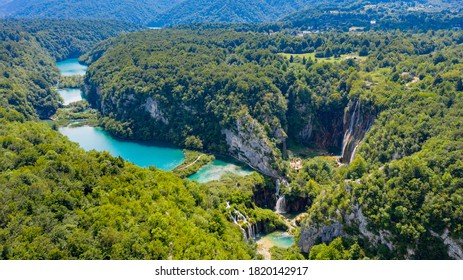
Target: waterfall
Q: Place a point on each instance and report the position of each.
(280, 206)
(239, 219)
(357, 122)
(352, 156)
(350, 131)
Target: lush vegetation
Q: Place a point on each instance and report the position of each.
(139, 12)
(28, 71)
(208, 87)
(405, 178)
(193, 162)
(377, 15)
(190, 11)
(63, 203)
(27, 75)
(68, 38)
(60, 202)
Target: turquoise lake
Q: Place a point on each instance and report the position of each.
(70, 95)
(71, 67)
(278, 239)
(218, 168)
(139, 153)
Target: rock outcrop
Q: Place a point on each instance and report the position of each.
(454, 247)
(152, 106)
(313, 233)
(248, 143)
(322, 130)
(357, 122)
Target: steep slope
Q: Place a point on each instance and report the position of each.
(228, 11)
(127, 10)
(28, 49)
(194, 91)
(68, 38)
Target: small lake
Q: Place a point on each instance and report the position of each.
(277, 239)
(217, 169)
(71, 67)
(70, 95)
(139, 153)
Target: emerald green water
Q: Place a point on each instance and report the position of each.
(141, 154)
(71, 67)
(217, 169)
(70, 95)
(278, 239)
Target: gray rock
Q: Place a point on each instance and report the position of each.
(248, 143)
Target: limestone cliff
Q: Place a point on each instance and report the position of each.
(321, 129)
(357, 121)
(313, 233)
(454, 247)
(248, 143)
(351, 222)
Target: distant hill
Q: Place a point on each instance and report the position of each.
(228, 11)
(378, 15)
(136, 11)
(155, 12)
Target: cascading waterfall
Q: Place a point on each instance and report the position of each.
(280, 206)
(352, 156)
(239, 219)
(350, 131)
(357, 123)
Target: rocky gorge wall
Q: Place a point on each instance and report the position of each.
(357, 121)
(351, 222)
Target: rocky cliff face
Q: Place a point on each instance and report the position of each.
(152, 106)
(454, 247)
(313, 233)
(248, 143)
(321, 129)
(246, 140)
(357, 121)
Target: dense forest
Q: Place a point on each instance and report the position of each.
(359, 133)
(138, 12)
(328, 91)
(29, 49)
(377, 15)
(60, 202)
(236, 11)
(307, 15)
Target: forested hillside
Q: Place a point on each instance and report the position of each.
(59, 202)
(377, 15)
(70, 38)
(28, 49)
(357, 136)
(28, 73)
(387, 103)
(138, 12)
(236, 11)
